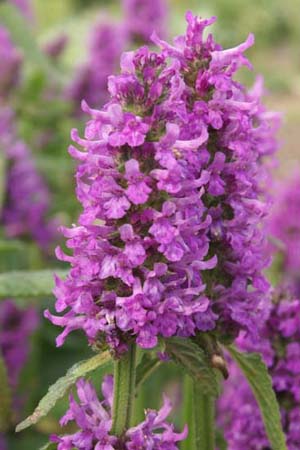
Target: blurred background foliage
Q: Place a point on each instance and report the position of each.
(276, 55)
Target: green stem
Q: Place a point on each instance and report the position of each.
(124, 391)
(204, 416)
(187, 413)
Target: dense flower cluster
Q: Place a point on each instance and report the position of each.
(142, 17)
(170, 181)
(94, 419)
(280, 347)
(16, 325)
(285, 227)
(26, 196)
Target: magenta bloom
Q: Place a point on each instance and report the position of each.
(280, 346)
(94, 419)
(142, 17)
(171, 184)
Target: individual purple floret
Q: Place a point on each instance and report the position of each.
(10, 62)
(26, 196)
(107, 40)
(238, 412)
(94, 420)
(16, 326)
(284, 225)
(171, 182)
(142, 17)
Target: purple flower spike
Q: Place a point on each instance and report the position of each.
(171, 181)
(94, 420)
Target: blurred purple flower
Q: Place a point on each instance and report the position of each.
(55, 47)
(94, 420)
(16, 326)
(26, 196)
(142, 17)
(284, 225)
(25, 6)
(107, 40)
(10, 62)
(280, 346)
(171, 181)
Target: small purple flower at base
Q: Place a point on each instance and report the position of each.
(94, 420)
(171, 181)
(238, 413)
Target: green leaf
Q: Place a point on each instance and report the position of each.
(28, 283)
(260, 382)
(49, 446)
(23, 38)
(5, 398)
(60, 387)
(195, 362)
(18, 255)
(145, 368)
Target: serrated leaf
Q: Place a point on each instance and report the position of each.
(60, 387)
(28, 283)
(260, 382)
(145, 368)
(195, 362)
(23, 38)
(5, 397)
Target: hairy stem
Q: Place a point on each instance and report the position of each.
(124, 391)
